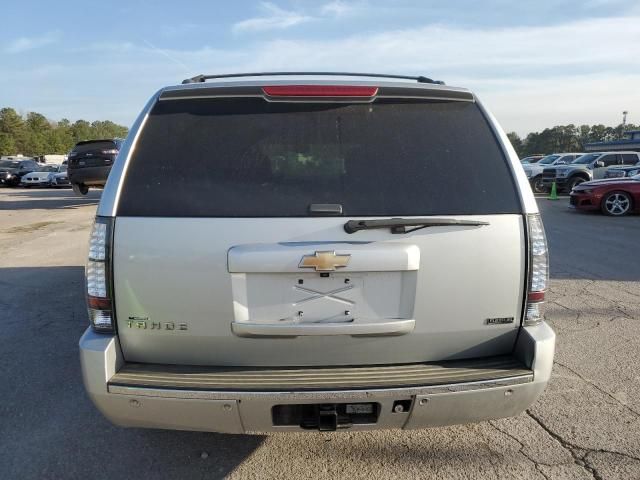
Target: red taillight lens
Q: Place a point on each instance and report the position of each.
(535, 296)
(319, 91)
(538, 270)
(98, 276)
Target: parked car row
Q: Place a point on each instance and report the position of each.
(605, 181)
(47, 176)
(88, 165)
(567, 170)
(591, 166)
(29, 173)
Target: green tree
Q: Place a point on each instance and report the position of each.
(61, 138)
(38, 134)
(81, 130)
(12, 126)
(598, 133)
(7, 144)
(516, 142)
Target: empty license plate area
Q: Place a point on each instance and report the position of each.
(326, 416)
(325, 297)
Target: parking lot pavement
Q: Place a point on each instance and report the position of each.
(586, 425)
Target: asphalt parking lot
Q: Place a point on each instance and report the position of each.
(586, 425)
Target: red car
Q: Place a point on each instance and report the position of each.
(615, 196)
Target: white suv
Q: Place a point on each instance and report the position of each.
(277, 253)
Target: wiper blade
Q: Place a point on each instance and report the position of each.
(407, 225)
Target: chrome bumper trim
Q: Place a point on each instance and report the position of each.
(320, 395)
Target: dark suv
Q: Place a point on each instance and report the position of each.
(90, 163)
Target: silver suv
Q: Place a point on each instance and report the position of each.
(278, 253)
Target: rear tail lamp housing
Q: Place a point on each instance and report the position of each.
(538, 280)
(98, 276)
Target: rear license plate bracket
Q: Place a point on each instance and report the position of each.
(325, 416)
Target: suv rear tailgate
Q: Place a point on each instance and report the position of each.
(221, 256)
(176, 272)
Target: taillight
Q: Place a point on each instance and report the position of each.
(111, 151)
(98, 275)
(319, 91)
(538, 270)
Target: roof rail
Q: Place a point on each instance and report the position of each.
(204, 78)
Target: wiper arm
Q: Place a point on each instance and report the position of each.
(403, 225)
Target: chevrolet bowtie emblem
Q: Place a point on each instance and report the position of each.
(324, 261)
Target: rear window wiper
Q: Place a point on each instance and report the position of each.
(407, 225)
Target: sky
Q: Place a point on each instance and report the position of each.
(533, 64)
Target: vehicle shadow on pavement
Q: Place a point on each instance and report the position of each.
(49, 427)
(11, 199)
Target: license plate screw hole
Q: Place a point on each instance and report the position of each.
(401, 406)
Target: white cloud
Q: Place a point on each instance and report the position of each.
(274, 18)
(23, 44)
(538, 103)
(338, 8)
(531, 77)
(452, 51)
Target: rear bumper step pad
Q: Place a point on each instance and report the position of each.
(319, 378)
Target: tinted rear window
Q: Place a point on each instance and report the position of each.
(92, 146)
(246, 157)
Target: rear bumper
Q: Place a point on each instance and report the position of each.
(90, 176)
(212, 409)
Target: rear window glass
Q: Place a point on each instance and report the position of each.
(92, 146)
(246, 157)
